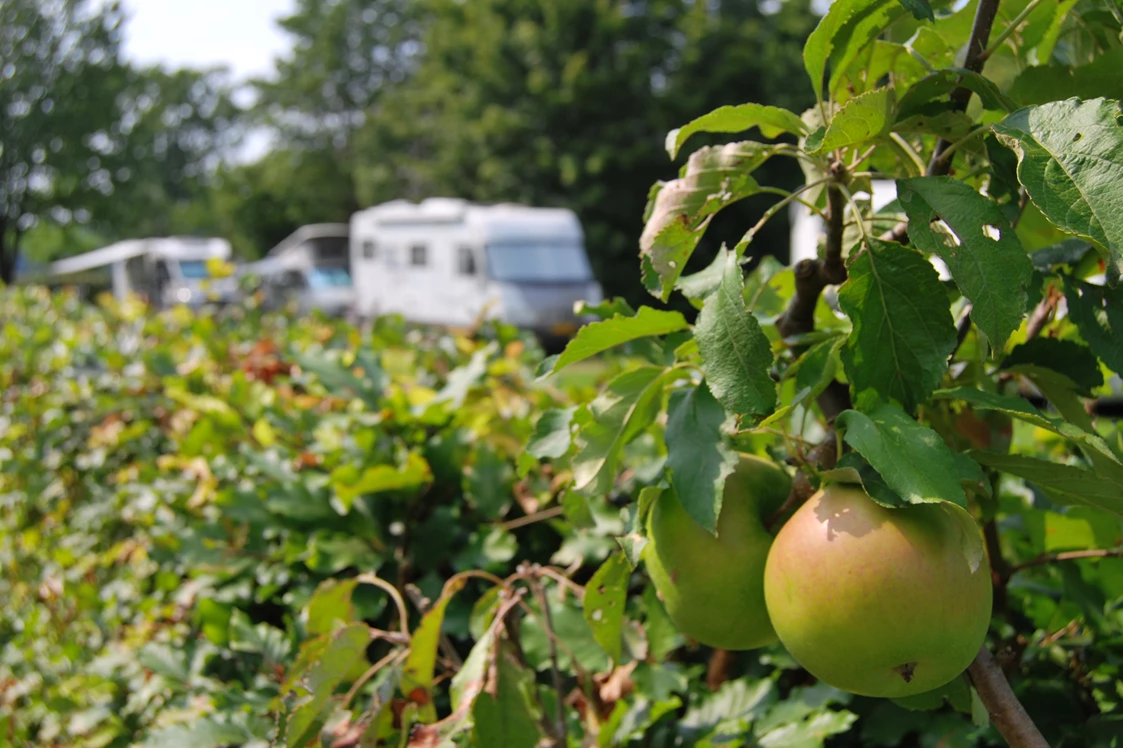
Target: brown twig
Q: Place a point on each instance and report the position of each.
(974, 61)
(1006, 712)
(1042, 313)
(530, 519)
(1049, 558)
(547, 618)
(812, 276)
(999, 569)
(717, 670)
(822, 457)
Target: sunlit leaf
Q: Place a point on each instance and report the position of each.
(912, 459)
(730, 119)
(903, 333)
(1070, 160)
(604, 603)
(713, 178)
(597, 337)
(970, 233)
(735, 350)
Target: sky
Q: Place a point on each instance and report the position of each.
(240, 34)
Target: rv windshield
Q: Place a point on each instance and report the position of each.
(329, 277)
(538, 262)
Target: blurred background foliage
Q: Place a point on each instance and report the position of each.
(547, 102)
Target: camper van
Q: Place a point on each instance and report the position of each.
(165, 271)
(449, 262)
(311, 268)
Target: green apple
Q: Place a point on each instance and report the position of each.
(878, 601)
(712, 587)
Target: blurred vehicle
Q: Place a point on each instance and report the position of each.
(164, 271)
(311, 267)
(449, 262)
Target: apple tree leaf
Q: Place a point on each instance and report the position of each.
(331, 602)
(1070, 160)
(343, 659)
(912, 459)
(735, 351)
(971, 235)
(698, 457)
(418, 672)
(597, 337)
(1098, 314)
(506, 718)
(628, 405)
(603, 605)
(920, 9)
(551, 434)
(1064, 484)
(939, 84)
(842, 34)
(771, 120)
(1067, 357)
(902, 331)
(713, 178)
(633, 542)
(861, 119)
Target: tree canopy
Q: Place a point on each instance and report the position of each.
(560, 102)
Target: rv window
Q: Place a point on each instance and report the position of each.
(538, 261)
(417, 255)
(466, 261)
(368, 249)
(193, 269)
(293, 279)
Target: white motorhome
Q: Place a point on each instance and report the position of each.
(449, 262)
(165, 271)
(310, 267)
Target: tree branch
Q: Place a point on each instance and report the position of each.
(1006, 712)
(974, 61)
(812, 276)
(1049, 558)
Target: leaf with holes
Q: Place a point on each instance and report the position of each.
(972, 236)
(1070, 160)
(597, 337)
(860, 120)
(912, 459)
(735, 351)
(713, 178)
(1098, 314)
(903, 332)
(771, 120)
(698, 457)
(603, 605)
(920, 9)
